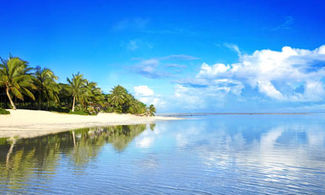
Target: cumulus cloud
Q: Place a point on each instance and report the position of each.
(267, 88)
(148, 96)
(286, 75)
(211, 71)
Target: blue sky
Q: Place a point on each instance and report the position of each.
(227, 56)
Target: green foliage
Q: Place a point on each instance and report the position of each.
(151, 110)
(16, 78)
(47, 88)
(3, 111)
(39, 90)
(136, 107)
(94, 98)
(121, 101)
(4, 141)
(80, 147)
(77, 88)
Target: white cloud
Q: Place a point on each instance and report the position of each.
(267, 88)
(155, 68)
(189, 98)
(233, 47)
(289, 76)
(212, 95)
(289, 68)
(148, 96)
(143, 90)
(149, 68)
(211, 71)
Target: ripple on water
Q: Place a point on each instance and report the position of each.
(211, 156)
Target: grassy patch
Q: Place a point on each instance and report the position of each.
(3, 111)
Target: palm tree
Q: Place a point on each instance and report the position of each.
(48, 89)
(94, 97)
(151, 110)
(136, 107)
(16, 78)
(77, 88)
(118, 98)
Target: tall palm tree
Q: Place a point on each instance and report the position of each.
(47, 88)
(77, 88)
(15, 76)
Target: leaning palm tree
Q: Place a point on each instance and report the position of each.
(16, 78)
(77, 88)
(47, 88)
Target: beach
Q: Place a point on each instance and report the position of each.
(32, 123)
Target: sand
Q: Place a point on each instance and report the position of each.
(32, 123)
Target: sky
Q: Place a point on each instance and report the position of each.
(181, 56)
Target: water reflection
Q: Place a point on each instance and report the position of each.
(209, 155)
(22, 158)
(288, 156)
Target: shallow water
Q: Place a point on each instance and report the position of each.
(269, 154)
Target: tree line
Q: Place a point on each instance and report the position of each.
(26, 87)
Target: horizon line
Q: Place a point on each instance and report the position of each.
(236, 113)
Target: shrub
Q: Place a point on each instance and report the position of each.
(3, 111)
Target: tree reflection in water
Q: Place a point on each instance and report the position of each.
(21, 158)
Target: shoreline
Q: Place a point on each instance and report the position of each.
(33, 123)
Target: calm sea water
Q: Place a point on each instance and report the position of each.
(271, 154)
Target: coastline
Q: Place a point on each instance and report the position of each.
(33, 123)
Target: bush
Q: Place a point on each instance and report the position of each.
(59, 109)
(3, 111)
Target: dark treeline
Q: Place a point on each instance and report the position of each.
(22, 86)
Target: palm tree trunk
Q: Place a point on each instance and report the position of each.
(9, 97)
(74, 101)
(39, 103)
(12, 145)
(74, 138)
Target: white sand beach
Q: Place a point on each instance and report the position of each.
(32, 123)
